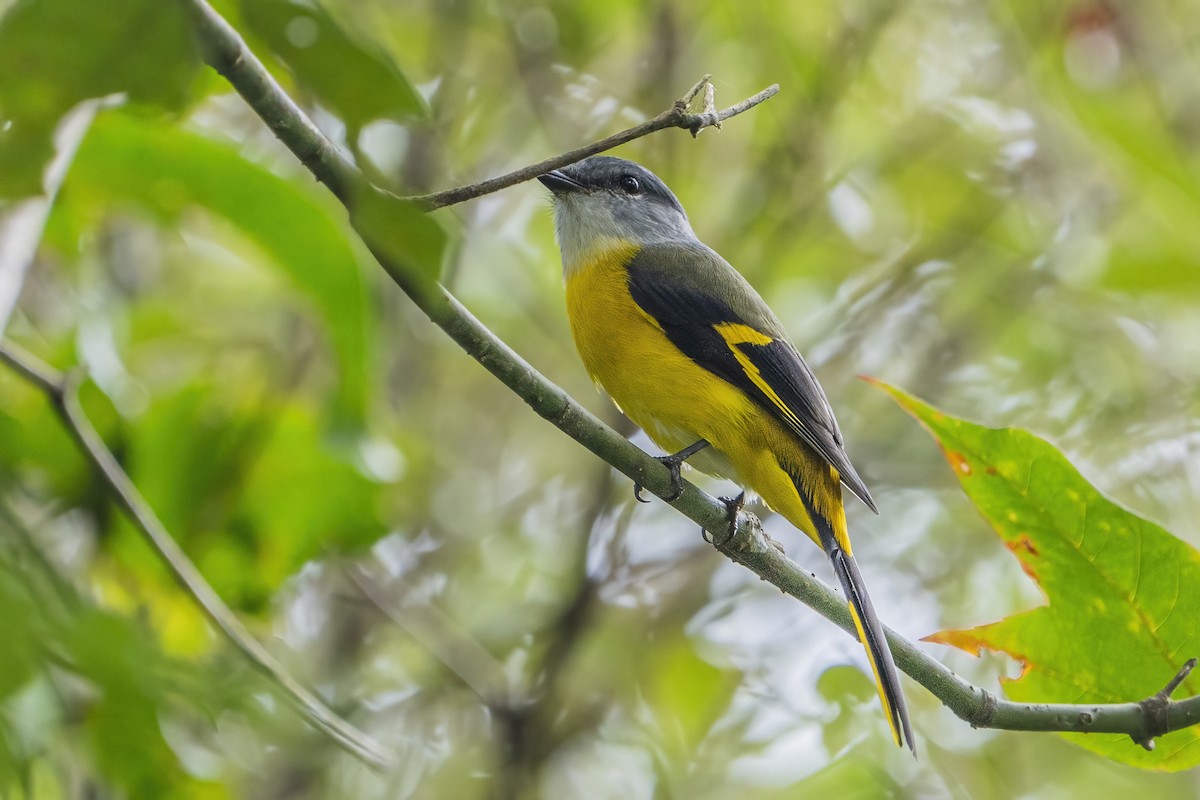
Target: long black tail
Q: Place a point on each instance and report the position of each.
(870, 633)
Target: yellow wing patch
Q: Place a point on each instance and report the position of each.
(735, 333)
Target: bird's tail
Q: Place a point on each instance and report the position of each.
(870, 633)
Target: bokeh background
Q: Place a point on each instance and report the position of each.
(991, 204)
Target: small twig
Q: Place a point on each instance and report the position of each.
(677, 116)
(63, 393)
(701, 85)
(710, 105)
(1157, 708)
(1173, 684)
(52, 383)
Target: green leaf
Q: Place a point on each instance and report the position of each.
(348, 74)
(55, 53)
(168, 171)
(1124, 594)
(123, 722)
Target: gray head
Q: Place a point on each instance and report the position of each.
(603, 202)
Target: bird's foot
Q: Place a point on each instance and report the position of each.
(733, 507)
(675, 466)
(674, 463)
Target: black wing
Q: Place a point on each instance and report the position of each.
(717, 319)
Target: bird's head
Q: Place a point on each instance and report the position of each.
(603, 202)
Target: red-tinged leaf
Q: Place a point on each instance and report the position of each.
(1123, 611)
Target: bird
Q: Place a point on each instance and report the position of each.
(690, 352)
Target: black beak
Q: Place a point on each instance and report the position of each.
(560, 182)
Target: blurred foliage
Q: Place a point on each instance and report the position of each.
(366, 86)
(1121, 589)
(989, 203)
(54, 53)
(162, 172)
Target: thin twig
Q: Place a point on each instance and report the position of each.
(63, 393)
(1173, 684)
(677, 116)
(747, 545)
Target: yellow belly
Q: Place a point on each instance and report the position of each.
(678, 402)
(675, 400)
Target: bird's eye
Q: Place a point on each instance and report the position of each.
(630, 184)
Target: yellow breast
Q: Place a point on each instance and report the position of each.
(625, 351)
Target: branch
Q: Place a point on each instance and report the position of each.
(62, 391)
(745, 543)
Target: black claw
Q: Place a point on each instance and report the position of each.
(673, 463)
(733, 507)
